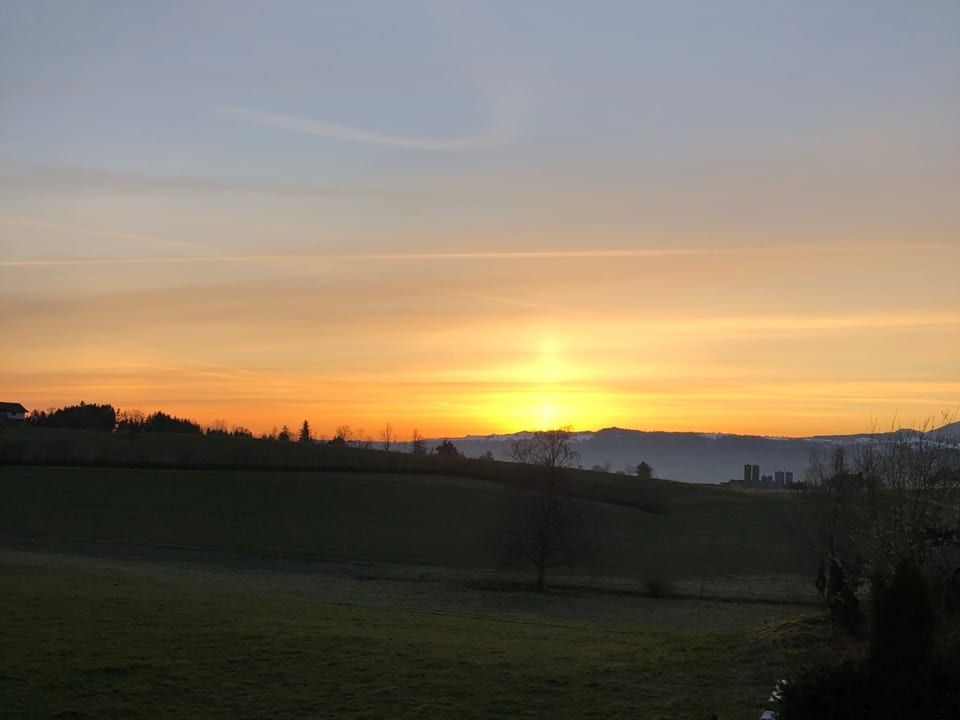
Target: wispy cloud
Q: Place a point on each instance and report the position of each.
(506, 255)
(70, 229)
(498, 133)
(62, 262)
(18, 174)
(595, 253)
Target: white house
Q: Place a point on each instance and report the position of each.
(12, 412)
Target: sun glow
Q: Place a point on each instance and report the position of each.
(544, 406)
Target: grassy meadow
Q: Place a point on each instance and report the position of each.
(93, 642)
(396, 518)
(137, 592)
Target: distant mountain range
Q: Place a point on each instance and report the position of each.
(694, 457)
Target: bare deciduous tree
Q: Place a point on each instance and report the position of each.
(546, 528)
(360, 440)
(418, 444)
(549, 449)
(386, 437)
(879, 503)
(343, 435)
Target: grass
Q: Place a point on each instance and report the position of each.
(189, 593)
(431, 520)
(93, 642)
(27, 445)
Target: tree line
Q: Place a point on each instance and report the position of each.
(105, 418)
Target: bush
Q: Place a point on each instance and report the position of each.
(904, 675)
(904, 621)
(844, 607)
(826, 693)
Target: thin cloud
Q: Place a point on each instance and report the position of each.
(509, 255)
(30, 223)
(18, 175)
(802, 323)
(495, 135)
(109, 261)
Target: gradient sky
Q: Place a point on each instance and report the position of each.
(484, 217)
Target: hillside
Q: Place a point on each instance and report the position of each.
(695, 457)
(297, 593)
(434, 520)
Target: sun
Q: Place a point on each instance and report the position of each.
(543, 390)
(547, 417)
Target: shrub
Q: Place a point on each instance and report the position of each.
(904, 621)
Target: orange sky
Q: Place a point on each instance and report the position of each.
(474, 218)
(748, 342)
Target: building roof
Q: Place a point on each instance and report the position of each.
(12, 407)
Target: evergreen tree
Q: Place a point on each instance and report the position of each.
(904, 621)
(305, 433)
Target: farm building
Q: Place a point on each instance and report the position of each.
(12, 412)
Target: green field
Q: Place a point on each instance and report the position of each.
(88, 642)
(410, 519)
(162, 593)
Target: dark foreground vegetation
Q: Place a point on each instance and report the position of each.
(889, 521)
(910, 667)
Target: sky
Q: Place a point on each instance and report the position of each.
(478, 217)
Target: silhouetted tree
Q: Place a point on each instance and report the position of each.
(877, 505)
(130, 422)
(545, 528)
(78, 417)
(843, 604)
(305, 436)
(343, 435)
(284, 434)
(219, 427)
(549, 449)
(903, 675)
(418, 446)
(386, 437)
(904, 620)
(644, 471)
(447, 449)
(160, 422)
